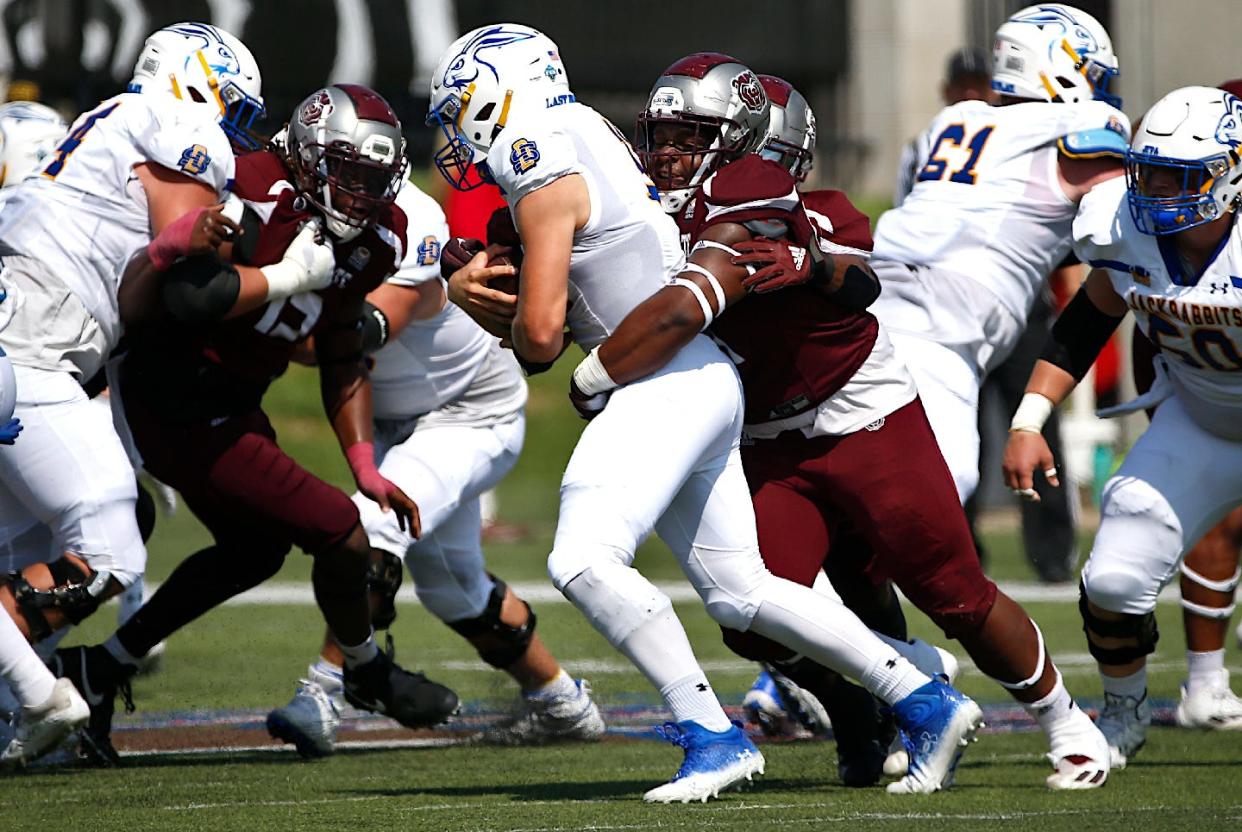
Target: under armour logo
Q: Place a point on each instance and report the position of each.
(702, 687)
(1218, 287)
(890, 664)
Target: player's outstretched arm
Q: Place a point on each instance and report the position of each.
(847, 279)
(1075, 342)
(346, 392)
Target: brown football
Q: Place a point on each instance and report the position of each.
(505, 256)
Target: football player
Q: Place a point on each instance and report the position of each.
(964, 256)
(449, 424)
(209, 336)
(836, 429)
(138, 166)
(663, 455)
(1162, 243)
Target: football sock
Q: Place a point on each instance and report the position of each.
(691, 698)
(919, 653)
(892, 679)
(20, 666)
(360, 653)
(561, 686)
(130, 601)
(1133, 686)
(1205, 669)
(1054, 709)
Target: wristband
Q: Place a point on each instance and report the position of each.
(590, 376)
(1031, 414)
(174, 241)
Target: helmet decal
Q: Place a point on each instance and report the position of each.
(221, 59)
(749, 91)
(464, 68)
(1077, 34)
(1229, 128)
(316, 109)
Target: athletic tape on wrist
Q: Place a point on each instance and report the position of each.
(590, 377)
(1031, 414)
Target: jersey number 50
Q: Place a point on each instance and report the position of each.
(955, 134)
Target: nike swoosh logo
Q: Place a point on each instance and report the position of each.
(92, 698)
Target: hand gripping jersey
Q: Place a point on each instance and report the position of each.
(86, 213)
(446, 362)
(1195, 322)
(987, 202)
(628, 249)
(195, 374)
(795, 349)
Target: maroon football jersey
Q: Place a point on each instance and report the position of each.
(226, 367)
(794, 348)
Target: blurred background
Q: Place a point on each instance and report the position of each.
(875, 72)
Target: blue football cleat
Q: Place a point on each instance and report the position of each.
(936, 722)
(714, 761)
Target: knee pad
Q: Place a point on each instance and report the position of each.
(75, 592)
(1114, 589)
(1226, 586)
(384, 575)
(616, 599)
(1141, 628)
(755, 647)
(731, 583)
(510, 643)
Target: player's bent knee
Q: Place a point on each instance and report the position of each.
(67, 589)
(456, 598)
(384, 574)
(1117, 641)
(616, 599)
(499, 644)
(731, 611)
(1118, 589)
(567, 562)
(755, 647)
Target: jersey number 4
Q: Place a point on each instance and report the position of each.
(71, 142)
(955, 135)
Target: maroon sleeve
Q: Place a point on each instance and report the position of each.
(837, 220)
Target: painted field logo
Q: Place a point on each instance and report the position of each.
(194, 160)
(524, 157)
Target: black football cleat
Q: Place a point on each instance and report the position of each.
(384, 687)
(858, 730)
(99, 678)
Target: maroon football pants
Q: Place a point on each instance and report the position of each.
(889, 484)
(241, 485)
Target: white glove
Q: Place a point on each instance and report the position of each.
(308, 265)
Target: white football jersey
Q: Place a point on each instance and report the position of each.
(629, 248)
(447, 358)
(987, 202)
(85, 214)
(1195, 323)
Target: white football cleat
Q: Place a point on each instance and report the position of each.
(548, 719)
(1080, 754)
(1212, 707)
(309, 721)
(1124, 721)
(42, 728)
(714, 762)
(897, 763)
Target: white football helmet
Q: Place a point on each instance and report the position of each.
(722, 110)
(1054, 52)
(485, 79)
(1184, 167)
(29, 132)
(206, 65)
(790, 138)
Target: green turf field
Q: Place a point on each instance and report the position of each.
(248, 658)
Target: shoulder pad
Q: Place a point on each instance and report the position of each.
(1094, 144)
(750, 179)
